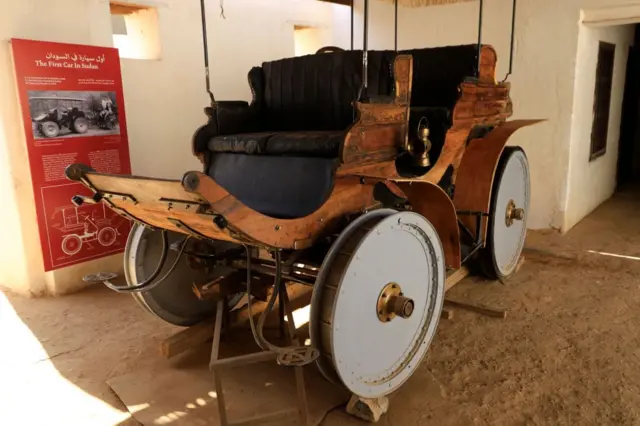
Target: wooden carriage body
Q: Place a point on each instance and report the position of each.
(302, 158)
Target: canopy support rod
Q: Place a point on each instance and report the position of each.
(513, 38)
(395, 26)
(365, 54)
(352, 18)
(206, 50)
(480, 17)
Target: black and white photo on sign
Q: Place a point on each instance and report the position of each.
(67, 114)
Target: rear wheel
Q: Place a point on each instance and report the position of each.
(49, 129)
(71, 244)
(507, 228)
(174, 300)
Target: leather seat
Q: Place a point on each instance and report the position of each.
(276, 186)
(324, 144)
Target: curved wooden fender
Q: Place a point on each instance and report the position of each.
(474, 181)
(432, 202)
(349, 195)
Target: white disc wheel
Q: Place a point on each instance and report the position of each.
(174, 300)
(508, 215)
(377, 301)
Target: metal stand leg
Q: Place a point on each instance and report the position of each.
(215, 348)
(303, 409)
(281, 314)
(216, 365)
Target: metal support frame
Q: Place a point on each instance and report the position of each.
(513, 38)
(480, 22)
(352, 20)
(365, 54)
(478, 241)
(395, 26)
(205, 42)
(216, 365)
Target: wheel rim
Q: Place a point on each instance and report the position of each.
(508, 228)
(71, 245)
(324, 364)
(363, 271)
(50, 129)
(174, 300)
(81, 125)
(107, 236)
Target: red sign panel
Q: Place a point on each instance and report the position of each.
(73, 112)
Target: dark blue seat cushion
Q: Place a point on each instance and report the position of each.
(280, 187)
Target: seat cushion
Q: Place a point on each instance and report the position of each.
(304, 144)
(279, 187)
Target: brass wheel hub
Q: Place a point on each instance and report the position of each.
(392, 303)
(513, 213)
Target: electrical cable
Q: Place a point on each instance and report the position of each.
(148, 284)
(249, 303)
(299, 355)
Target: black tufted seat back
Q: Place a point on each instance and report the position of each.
(438, 72)
(316, 92)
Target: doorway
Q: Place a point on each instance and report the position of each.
(628, 170)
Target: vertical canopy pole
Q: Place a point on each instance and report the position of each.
(513, 38)
(480, 35)
(365, 53)
(352, 16)
(395, 26)
(203, 14)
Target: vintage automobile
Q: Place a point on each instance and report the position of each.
(62, 113)
(366, 174)
(81, 227)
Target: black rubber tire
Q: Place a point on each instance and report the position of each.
(49, 129)
(80, 125)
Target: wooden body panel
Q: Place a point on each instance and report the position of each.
(433, 203)
(198, 206)
(167, 204)
(380, 130)
(349, 196)
(474, 182)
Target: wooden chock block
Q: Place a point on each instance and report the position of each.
(368, 409)
(446, 314)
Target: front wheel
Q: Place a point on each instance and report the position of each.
(80, 125)
(510, 201)
(377, 301)
(107, 236)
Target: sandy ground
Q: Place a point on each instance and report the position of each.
(568, 352)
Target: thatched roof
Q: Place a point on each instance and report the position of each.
(424, 3)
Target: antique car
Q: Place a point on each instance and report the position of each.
(61, 113)
(368, 175)
(83, 227)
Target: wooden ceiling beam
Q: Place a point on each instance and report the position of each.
(122, 8)
(341, 2)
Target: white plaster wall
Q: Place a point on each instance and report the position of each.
(164, 99)
(590, 183)
(542, 83)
